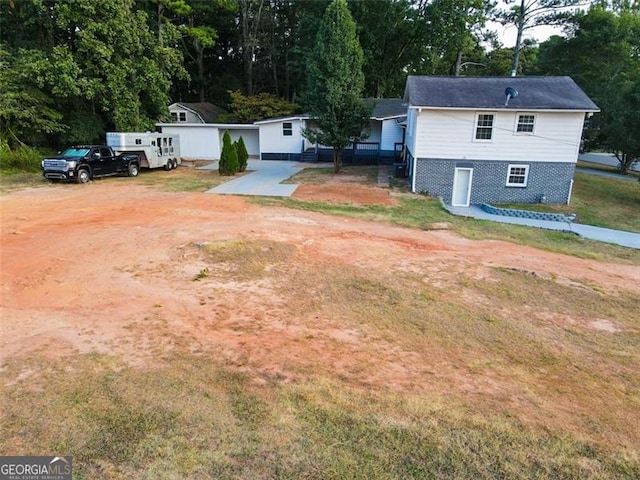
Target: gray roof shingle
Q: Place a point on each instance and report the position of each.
(207, 111)
(534, 93)
(387, 107)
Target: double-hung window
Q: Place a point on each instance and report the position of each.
(179, 116)
(287, 129)
(526, 123)
(517, 175)
(484, 126)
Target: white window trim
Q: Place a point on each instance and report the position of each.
(515, 126)
(526, 175)
(493, 127)
(287, 129)
(178, 114)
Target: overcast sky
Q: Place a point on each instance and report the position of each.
(507, 34)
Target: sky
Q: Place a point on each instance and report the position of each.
(507, 34)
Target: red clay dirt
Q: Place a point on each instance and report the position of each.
(80, 264)
(109, 267)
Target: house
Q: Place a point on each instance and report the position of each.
(282, 138)
(202, 112)
(473, 140)
(201, 136)
(204, 141)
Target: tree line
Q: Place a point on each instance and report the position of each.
(72, 69)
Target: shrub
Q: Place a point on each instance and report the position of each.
(243, 155)
(21, 159)
(229, 157)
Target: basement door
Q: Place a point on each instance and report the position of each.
(462, 187)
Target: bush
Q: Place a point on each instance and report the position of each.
(229, 157)
(243, 155)
(21, 159)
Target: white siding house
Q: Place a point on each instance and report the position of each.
(281, 138)
(200, 141)
(197, 141)
(468, 143)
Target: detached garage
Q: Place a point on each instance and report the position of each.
(203, 141)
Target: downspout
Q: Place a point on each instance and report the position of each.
(570, 190)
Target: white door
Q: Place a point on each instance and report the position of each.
(462, 187)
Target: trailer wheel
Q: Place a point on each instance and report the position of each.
(133, 170)
(175, 163)
(83, 176)
(168, 166)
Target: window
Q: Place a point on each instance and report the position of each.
(179, 116)
(484, 126)
(138, 141)
(287, 129)
(525, 123)
(517, 176)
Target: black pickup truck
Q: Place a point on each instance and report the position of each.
(84, 162)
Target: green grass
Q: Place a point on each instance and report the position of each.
(423, 212)
(201, 416)
(195, 416)
(20, 160)
(10, 181)
(184, 179)
(599, 201)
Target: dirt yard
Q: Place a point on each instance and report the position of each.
(128, 271)
(79, 264)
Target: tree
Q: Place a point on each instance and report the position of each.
(243, 155)
(531, 13)
(392, 33)
(603, 57)
(455, 28)
(88, 65)
(228, 164)
(249, 109)
(335, 83)
(26, 112)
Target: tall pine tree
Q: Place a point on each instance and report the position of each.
(335, 83)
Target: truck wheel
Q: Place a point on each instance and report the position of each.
(133, 170)
(83, 176)
(168, 166)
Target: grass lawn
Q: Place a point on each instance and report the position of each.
(617, 208)
(510, 375)
(599, 201)
(515, 385)
(184, 179)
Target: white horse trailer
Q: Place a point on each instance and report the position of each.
(154, 150)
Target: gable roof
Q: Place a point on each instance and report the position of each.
(534, 93)
(387, 107)
(383, 108)
(208, 112)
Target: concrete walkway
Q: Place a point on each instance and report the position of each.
(618, 237)
(264, 180)
(600, 173)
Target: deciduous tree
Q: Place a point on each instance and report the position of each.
(249, 109)
(603, 57)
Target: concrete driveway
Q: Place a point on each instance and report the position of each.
(264, 180)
